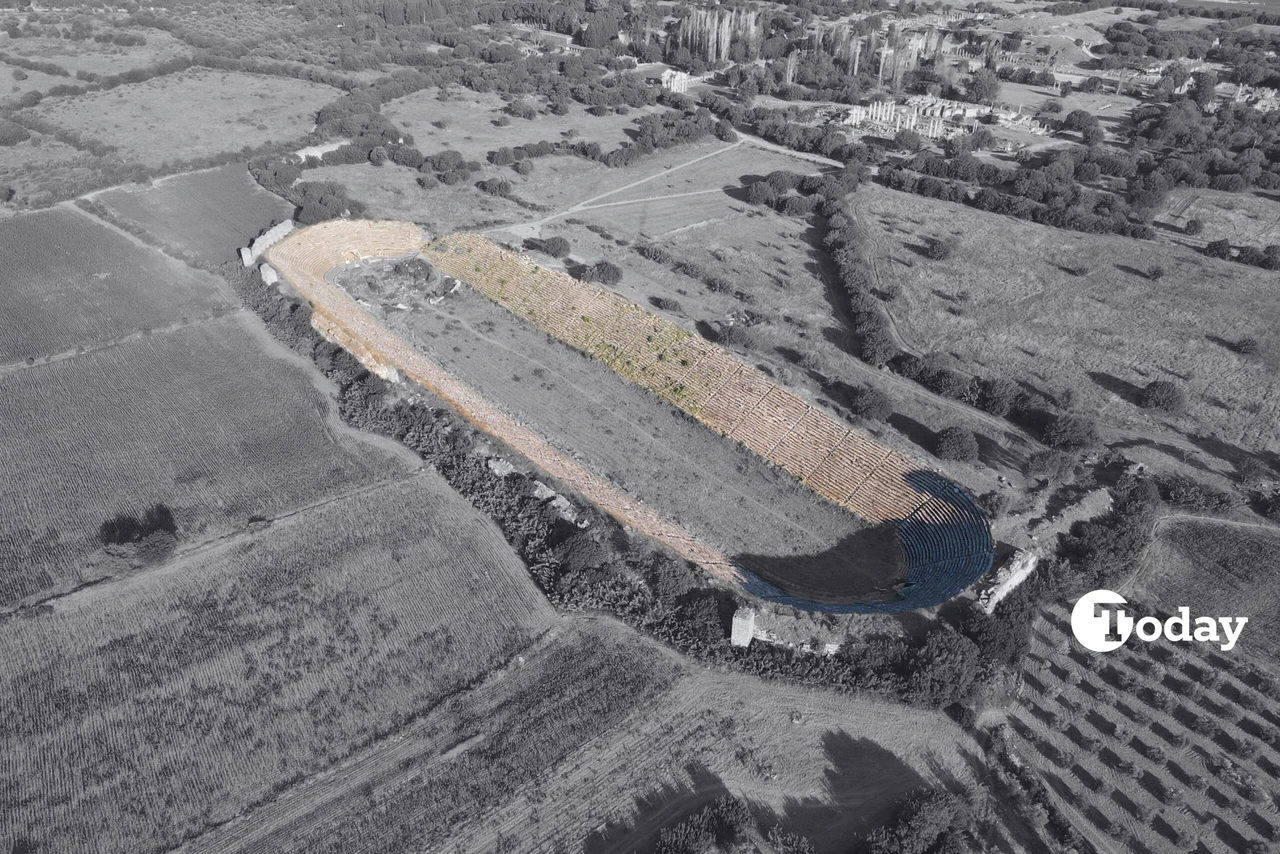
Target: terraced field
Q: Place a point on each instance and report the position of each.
(143, 712)
(161, 419)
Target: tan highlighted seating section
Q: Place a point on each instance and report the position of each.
(945, 538)
(729, 396)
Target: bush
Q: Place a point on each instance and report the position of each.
(994, 503)
(1247, 347)
(877, 346)
(940, 249)
(12, 133)
(1162, 395)
(604, 273)
(524, 167)
(1218, 249)
(1072, 432)
(956, 443)
(556, 247)
(1193, 227)
(870, 404)
(495, 186)
(502, 157)
(428, 182)
(1054, 466)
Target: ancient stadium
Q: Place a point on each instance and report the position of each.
(943, 537)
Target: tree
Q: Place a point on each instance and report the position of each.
(1193, 227)
(908, 140)
(1218, 249)
(956, 443)
(556, 247)
(942, 248)
(997, 396)
(1162, 395)
(870, 404)
(1071, 431)
(983, 87)
(761, 193)
(994, 503)
(604, 273)
(877, 346)
(919, 820)
(1205, 92)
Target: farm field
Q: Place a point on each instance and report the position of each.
(392, 192)
(144, 711)
(827, 767)
(1245, 219)
(662, 740)
(98, 58)
(733, 168)
(33, 81)
(662, 218)
(153, 122)
(1019, 313)
(468, 123)
(206, 216)
(1162, 748)
(718, 490)
(1222, 568)
(211, 420)
(70, 282)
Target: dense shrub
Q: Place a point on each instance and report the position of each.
(1164, 396)
(940, 249)
(12, 133)
(604, 273)
(556, 247)
(921, 822)
(1072, 432)
(495, 186)
(869, 404)
(1187, 494)
(956, 443)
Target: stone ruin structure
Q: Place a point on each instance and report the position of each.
(251, 253)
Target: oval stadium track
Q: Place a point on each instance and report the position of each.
(943, 535)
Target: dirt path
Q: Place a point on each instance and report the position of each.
(180, 560)
(86, 349)
(790, 152)
(531, 229)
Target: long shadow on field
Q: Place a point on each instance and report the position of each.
(1120, 388)
(864, 782)
(867, 564)
(655, 810)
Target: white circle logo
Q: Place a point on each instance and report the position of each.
(1100, 622)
